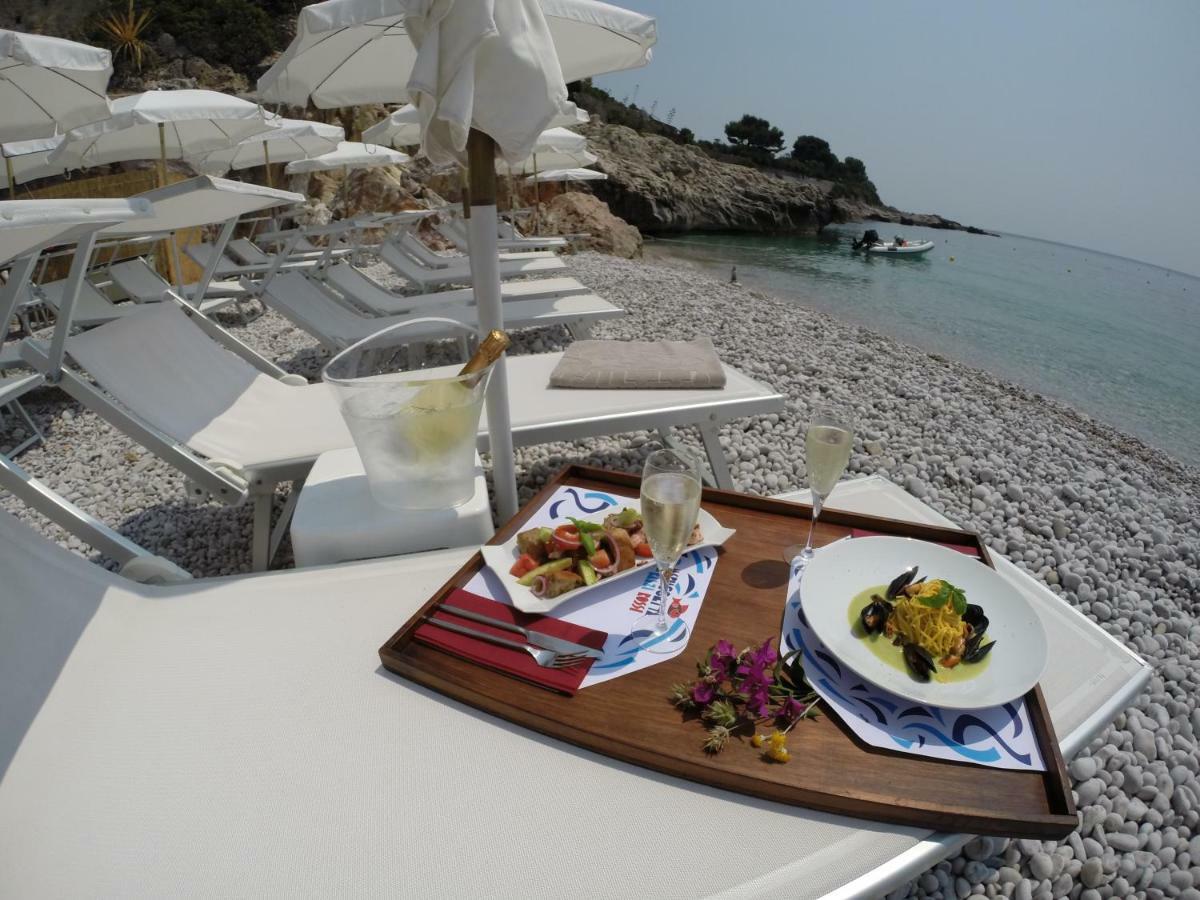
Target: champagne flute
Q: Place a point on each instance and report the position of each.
(670, 500)
(827, 448)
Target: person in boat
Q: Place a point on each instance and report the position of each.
(870, 236)
(899, 241)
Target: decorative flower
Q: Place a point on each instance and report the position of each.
(704, 692)
(723, 659)
(765, 656)
(789, 710)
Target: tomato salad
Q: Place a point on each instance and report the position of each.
(554, 561)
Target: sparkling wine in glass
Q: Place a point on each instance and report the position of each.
(670, 500)
(827, 447)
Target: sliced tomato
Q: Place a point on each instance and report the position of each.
(524, 564)
(643, 550)
(567, 537)
(600, 560)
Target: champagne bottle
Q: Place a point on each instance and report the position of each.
(488, 352)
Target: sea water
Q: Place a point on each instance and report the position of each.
(1112, 337)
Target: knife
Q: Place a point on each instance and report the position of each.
(537, 638)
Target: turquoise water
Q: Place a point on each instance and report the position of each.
(1112, 337)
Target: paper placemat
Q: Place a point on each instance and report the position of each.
(1001, 737)
(617, 607)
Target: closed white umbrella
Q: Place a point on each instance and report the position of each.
(565, 175)
(485, 77)
(26, 160)
(290, 140)
(349, 155)
(162, 125)
(48, 85)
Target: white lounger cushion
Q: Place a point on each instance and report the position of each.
(308, 306)
(162, 367)
(365, 291)
(166, 370)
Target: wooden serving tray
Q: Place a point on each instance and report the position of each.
(631, 718)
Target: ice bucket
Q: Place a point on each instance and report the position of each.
(414, 429)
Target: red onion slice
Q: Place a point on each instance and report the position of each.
(539, 586)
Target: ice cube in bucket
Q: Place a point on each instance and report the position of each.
(415, 430)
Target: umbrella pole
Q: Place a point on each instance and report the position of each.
(12, 183)
(169, 243)
(537, 201)
(267, 160)
(485, 276)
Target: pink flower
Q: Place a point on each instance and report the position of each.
(789, 710)
(723, 659)
(765, 656)
(758, 699)
(704, 692)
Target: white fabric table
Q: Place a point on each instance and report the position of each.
(237, 737)
(337, 520)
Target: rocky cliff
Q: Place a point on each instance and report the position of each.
(661, 186)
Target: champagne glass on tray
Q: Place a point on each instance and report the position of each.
(827, 450)
(670, 501)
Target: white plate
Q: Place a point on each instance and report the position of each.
(500, 557)
(842, 570)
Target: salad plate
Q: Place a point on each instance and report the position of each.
(505, 560)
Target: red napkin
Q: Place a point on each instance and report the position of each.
(517, 663)
(961, 548)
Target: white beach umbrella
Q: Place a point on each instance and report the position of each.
(349, 155)
(565, 175)
(290, 140)
(403, 127)
(162, 125)
(348, 52)
(486, 78)
(48, 85)
(26, 160)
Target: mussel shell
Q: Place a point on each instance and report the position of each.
(901, 581)
(874, 616)
(976, 651)
(919, 662)
(973, 614)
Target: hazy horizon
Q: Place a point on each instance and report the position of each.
(1073, 122)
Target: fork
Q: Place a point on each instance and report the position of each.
(547, 659)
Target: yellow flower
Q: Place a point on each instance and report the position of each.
(778, 739)
(757, 740)
(778, 754)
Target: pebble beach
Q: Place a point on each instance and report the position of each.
(1108, 523)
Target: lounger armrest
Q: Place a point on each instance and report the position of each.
(154, 570)
(294, 380)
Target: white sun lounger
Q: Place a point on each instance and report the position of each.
(365, 292)
(459, 273)
(229, 423)
(143, 285)
(227, 267)
(309, 306)
(417, 249)
(236, 737)
(91, 309)
(455, 232)
(248, 252)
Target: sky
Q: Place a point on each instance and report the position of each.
(1070, 121)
